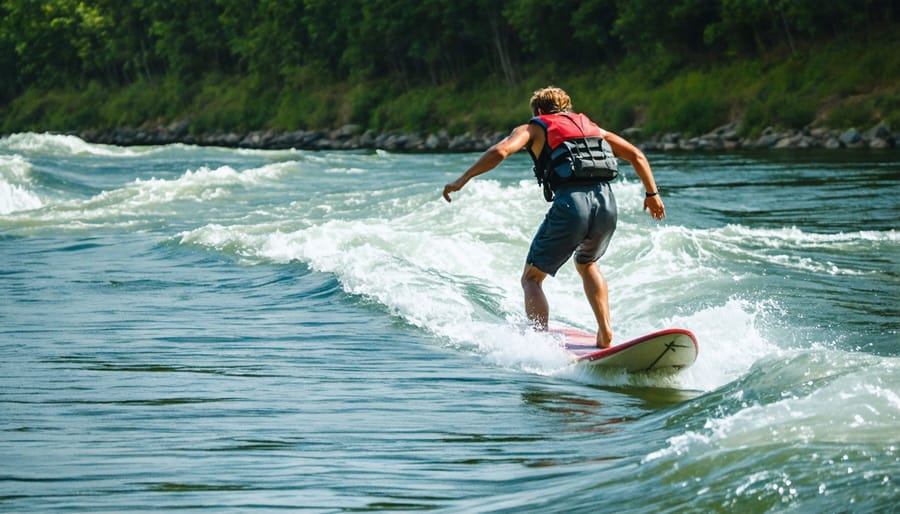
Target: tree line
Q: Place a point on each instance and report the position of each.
(49, 44)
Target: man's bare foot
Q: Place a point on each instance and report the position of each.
(604, 339)
(536, 326)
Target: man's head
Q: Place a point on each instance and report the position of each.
(550, 100)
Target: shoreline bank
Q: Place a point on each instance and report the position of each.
(352, 137)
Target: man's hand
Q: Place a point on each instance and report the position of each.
(657, 209)
(452, 188)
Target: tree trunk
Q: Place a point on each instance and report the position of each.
(506, 66)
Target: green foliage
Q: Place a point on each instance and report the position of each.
(850, 113)
(227, 104)
(564, 30)
(860, 111)
(427, 64)
(65, 110)
(409, 111)
(140, 102)
(784, 96)
(53, 40)
(362, 100)
(306, 109)
(32, 110)
(692, 103)
(888, 109)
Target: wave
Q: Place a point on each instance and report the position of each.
(801, 396)
(144, 199)
(466, 291)
(16, 192)
(453, 270)
(785, 246)
(841, 408)
(205, 183)
(63, 145)
(812, 422)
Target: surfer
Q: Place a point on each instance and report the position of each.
(574, 160)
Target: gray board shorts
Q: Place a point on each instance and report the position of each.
(581, 221)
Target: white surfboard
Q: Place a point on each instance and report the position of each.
(672, 349)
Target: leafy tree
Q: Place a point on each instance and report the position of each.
(256, 57)
(55, 42)
(188, 36)
(266, 36)
(564, 32)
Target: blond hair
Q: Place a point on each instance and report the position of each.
(550, 100)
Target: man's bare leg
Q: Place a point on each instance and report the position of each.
(536, 307)
(598, 296)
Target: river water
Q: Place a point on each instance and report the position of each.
(240, 330)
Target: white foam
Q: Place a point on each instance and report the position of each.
(16, 192)
(61, 145)
(411, 276)
(204, 183)
(791, 237)
(731, 341)
(16, 198)
(859, 406)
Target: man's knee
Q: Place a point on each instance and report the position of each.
(584, 267)
(532, 277)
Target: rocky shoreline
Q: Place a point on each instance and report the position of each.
(727, 137)
(353, 137)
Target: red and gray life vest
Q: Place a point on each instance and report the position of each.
(574, 152)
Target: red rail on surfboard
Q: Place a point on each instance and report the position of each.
(672, 349)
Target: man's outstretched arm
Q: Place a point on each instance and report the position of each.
(622, 148)
(491, 158)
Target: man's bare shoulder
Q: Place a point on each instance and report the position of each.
(535, 134)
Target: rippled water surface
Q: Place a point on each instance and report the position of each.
(233, 330)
